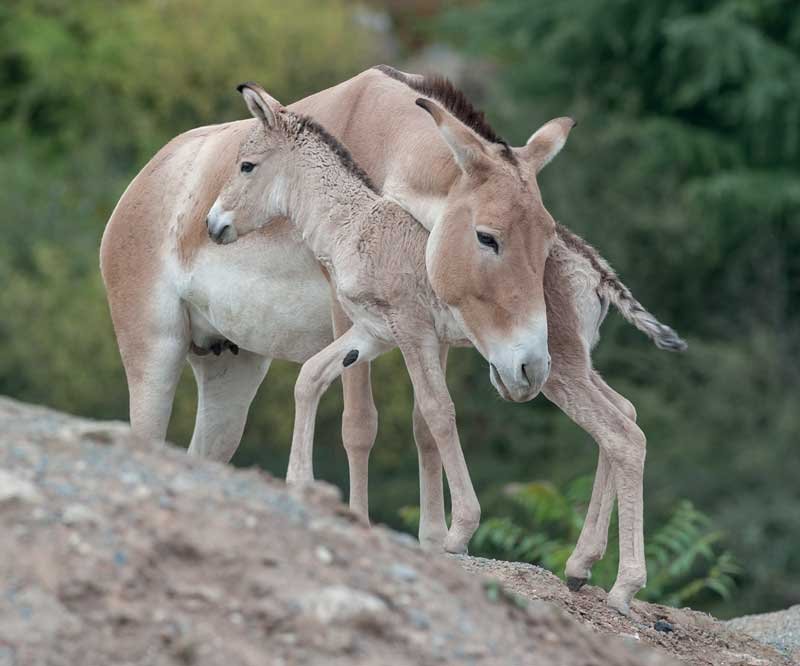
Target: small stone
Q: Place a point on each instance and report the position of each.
(78, 514)
(14, 490)
(663, 625)
(402, 572)
(339, 604)
(324, 555)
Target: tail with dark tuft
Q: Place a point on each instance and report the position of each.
(613, 289)
(662, 335)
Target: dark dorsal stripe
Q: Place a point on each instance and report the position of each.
(454, 100)
(306, 124)
(580, 246)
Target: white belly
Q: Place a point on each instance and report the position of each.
(265, 293)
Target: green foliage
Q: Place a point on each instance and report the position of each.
(685, 557)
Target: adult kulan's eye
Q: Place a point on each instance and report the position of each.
(488, 240)
(247, 167)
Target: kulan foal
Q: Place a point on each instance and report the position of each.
(399, 286)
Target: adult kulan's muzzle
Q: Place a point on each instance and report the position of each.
(519, 369)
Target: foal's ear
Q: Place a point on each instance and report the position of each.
(546, 143)
(466, 147)
(263, 106)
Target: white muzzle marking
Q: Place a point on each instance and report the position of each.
(220, 225)
(520, 366)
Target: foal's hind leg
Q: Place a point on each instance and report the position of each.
(226, 385)
(623, 451)
(593, 539)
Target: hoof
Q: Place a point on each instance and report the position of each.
(433, 543)
(574, 584)
(455, 546)
(619, 603)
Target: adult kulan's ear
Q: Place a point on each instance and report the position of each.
(465, 146)
(262, 105)
(545, 143)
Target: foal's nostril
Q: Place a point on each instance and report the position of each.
(206, 222)
(525, 374)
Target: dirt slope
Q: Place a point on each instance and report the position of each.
(693, 637)
(115, 551)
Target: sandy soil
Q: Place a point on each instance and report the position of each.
(116, 551)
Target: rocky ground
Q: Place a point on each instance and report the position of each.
(116, 551)
(780, 630)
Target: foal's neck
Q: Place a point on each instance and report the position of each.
(326, 191)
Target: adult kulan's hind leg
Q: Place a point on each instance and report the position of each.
(623, 452)
(153, 354)
(359, 421)
(432, 521)
(226, 386)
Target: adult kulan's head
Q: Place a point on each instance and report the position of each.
(487, 250)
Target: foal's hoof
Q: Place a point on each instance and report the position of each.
(455, 545)
(433, 543)
(619, 602)
(574, 583)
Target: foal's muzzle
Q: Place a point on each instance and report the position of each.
(220, 225)
(221, 233)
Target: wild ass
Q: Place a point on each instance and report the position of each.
(398, 285)
(174, 295)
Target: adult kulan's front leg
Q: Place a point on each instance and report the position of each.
(421, 355)
(359, 422)
(316, 375)
(623, 445)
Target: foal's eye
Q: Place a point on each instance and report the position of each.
(247, 167)
(489, 241)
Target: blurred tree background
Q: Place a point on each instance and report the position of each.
(684, 171)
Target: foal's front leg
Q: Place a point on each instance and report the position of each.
(316, 375)
(421, 353)
(359, 421)
(432, 523)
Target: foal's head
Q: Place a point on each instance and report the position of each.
(257, 190)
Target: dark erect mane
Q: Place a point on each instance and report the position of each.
(454, 100)
(307, 124)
